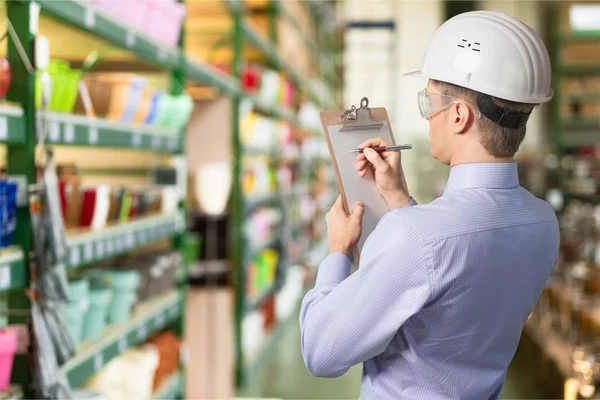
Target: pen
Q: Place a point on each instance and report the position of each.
(381, 149)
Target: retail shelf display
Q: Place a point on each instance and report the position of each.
(78, 130)
(148, 319)
(95, 246)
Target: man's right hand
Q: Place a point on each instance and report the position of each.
(388, 173)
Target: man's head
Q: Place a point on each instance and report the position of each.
(486, 71)
(459, 131)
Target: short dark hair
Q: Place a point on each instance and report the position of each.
(495, 139)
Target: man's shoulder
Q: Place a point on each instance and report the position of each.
(464, 213)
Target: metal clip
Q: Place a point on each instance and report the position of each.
(349, 115)
(361, 116)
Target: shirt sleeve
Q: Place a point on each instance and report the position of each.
(347, 319)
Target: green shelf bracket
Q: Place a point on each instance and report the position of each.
(12, 270)
(21, 162)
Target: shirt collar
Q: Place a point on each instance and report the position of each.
(483, 175)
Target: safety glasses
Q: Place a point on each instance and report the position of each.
(432, 103)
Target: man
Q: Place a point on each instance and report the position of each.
(436, 308)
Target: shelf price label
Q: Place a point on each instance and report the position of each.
(54, 131)
(122, 345)
(136, 139)
(75, 257)
(130, 238)
(100, 249)
(174, 311)
(4, 277)
(160, 320)
(142, 332)
(90, 17)
(69, 133)
(3, 128)
(93, 135)
(109, 247)
(98, 361)
(130, 39)
(161, 54)
(88, 251)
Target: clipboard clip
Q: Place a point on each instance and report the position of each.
(360, 118)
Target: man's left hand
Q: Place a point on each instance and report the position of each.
(343, 229)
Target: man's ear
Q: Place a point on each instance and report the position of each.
(460, 118)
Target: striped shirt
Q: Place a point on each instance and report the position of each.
(436, 308)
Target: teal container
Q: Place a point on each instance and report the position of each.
(78, 290)
(95, 319)
(98, 278)
(74, 319)
(124, 286)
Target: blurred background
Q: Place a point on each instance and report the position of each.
(174, 155)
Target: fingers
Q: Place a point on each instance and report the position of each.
(358, 210)
(374, 142)
(375, 159)
(362, 165)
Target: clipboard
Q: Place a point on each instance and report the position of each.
(345, 131)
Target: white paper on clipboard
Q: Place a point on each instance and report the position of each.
(355, 187)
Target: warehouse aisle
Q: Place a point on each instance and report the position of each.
(282, 375)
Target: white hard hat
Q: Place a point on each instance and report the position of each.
(491, 53)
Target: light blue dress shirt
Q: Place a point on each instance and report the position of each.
(436, 308)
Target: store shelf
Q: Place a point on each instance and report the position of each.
(12, 126)
(86, 16)
(575, 36)
(94, 246)
(590, 198)
(579, 69)
(12, 269)
(253, 202)
(147, 319)
(204, 73)
(567, 97)
(79, 130)
(171, 389)
(273, 110)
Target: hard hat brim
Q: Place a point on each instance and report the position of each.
(417, 73)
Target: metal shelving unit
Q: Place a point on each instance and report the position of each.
(148, 319)
(245, 33)
(19, 122)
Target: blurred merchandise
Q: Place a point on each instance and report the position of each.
(168, 346)
(8, 211)
(260, 272)
(262, 227)
(95, 319)
(258, 177)
(128, 376)
(8, 348)
(157, 271)
(64, 83)
(128, 98)
(160, 19)
(5, 76)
